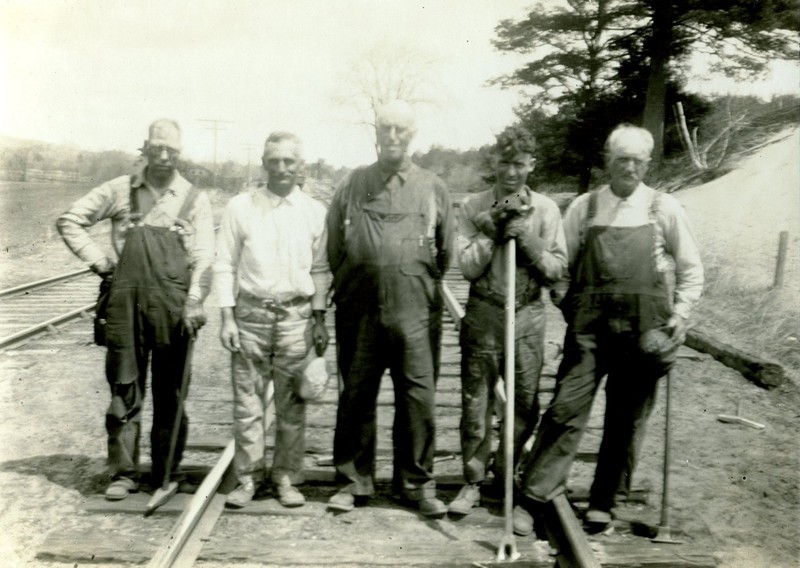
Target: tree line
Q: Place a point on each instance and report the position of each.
(595, 63)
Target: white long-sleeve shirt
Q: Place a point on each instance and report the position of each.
(674, 238)
(272, 247)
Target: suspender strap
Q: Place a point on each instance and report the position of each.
(590, 215)
(188, 203)
(655, 205)
(183, 214)
(134, 202)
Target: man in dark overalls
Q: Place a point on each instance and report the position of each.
(389, 237)
(619, 239)
(163, 235)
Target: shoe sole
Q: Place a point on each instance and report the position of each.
(235, 505)
(117, 497)
(434, 514)
(458, 511)
(120, 496)
(340, 508)
(291, 504)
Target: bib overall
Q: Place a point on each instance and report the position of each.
(388, 314)
(145, 305)
(616, 295)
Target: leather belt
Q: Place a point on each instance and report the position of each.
(273, 304)
(499, 300)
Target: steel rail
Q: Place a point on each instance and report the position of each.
(44, 326)
(568, 538)
(184, 543)
(43, 282)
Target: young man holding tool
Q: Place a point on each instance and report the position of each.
(487, 221)
(272, 278)
(622, 320)
(162, 232)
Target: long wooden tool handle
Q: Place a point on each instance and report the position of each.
(667, 442)
(508, 375)
(176, 425)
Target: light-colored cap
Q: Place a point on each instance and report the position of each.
(656, 344)
(165, 132)
(314, 378)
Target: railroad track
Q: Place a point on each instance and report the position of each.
(38, 307)
(197, 527)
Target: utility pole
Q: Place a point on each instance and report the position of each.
(249, 147)
(215, 127)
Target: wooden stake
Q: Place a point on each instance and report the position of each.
(780, 265)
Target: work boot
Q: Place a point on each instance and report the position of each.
(522, 521)
(596, 520)
(528, 516)
(241, 496)
(343, 501)
(432, 508)
(290, 496)
(120, 488)
(468, 497)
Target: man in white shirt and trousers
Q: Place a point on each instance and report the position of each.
(272, 278)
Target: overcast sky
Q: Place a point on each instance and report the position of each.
(95, 73)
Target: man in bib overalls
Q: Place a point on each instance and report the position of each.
(620, 239)
(162, 231)
(389, 238)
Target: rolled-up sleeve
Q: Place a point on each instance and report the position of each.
(100, 203)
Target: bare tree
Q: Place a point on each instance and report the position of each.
(386, 72)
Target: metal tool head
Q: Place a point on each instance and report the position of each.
(507, 550)
(161, 496)
(664, 536)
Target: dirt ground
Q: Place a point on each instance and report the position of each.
(734, 488)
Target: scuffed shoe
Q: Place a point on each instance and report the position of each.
(290, 496)
(342, 501)
(432, 508)
(468, 497)
(597, 520)
(120, 488)
(241, 496)
(522, 521)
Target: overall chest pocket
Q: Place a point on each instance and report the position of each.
(406, 243)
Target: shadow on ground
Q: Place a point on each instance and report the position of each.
(82, 473)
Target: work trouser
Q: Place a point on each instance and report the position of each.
(630, 394)
(482, 362)
(618, 294)
(274, 344)
(369, 341)
(145, 304)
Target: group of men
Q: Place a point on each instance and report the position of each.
(382, 248)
